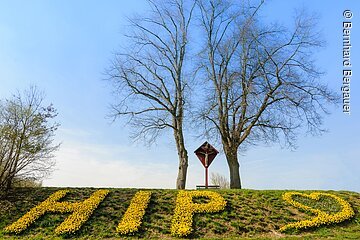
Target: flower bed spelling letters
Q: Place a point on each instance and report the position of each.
(322, 218)
(183, 214)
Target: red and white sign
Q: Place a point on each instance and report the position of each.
(206, 154)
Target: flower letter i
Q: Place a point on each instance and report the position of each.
(132, 218)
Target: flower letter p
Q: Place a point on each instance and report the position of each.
(185, 209)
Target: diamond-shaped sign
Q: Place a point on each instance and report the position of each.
(206, 154)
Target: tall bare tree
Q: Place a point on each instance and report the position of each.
(150, 76)
(26, 138)
(264, 82)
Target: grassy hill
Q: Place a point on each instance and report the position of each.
(250, 214)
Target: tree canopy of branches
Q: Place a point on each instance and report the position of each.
(150, 75)
(263, 82)
(26, 139)
(265, 85)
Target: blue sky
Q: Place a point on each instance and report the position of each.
(64, 47)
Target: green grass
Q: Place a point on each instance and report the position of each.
(249, 214)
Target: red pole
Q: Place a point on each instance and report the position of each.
(206, 178)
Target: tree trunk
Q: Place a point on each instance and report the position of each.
(183, 159)
(181, 179)
(232, 160)
(9, 183)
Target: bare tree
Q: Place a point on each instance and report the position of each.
(150, 76)
(26, 138)
(264, 82)
(219, 180)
